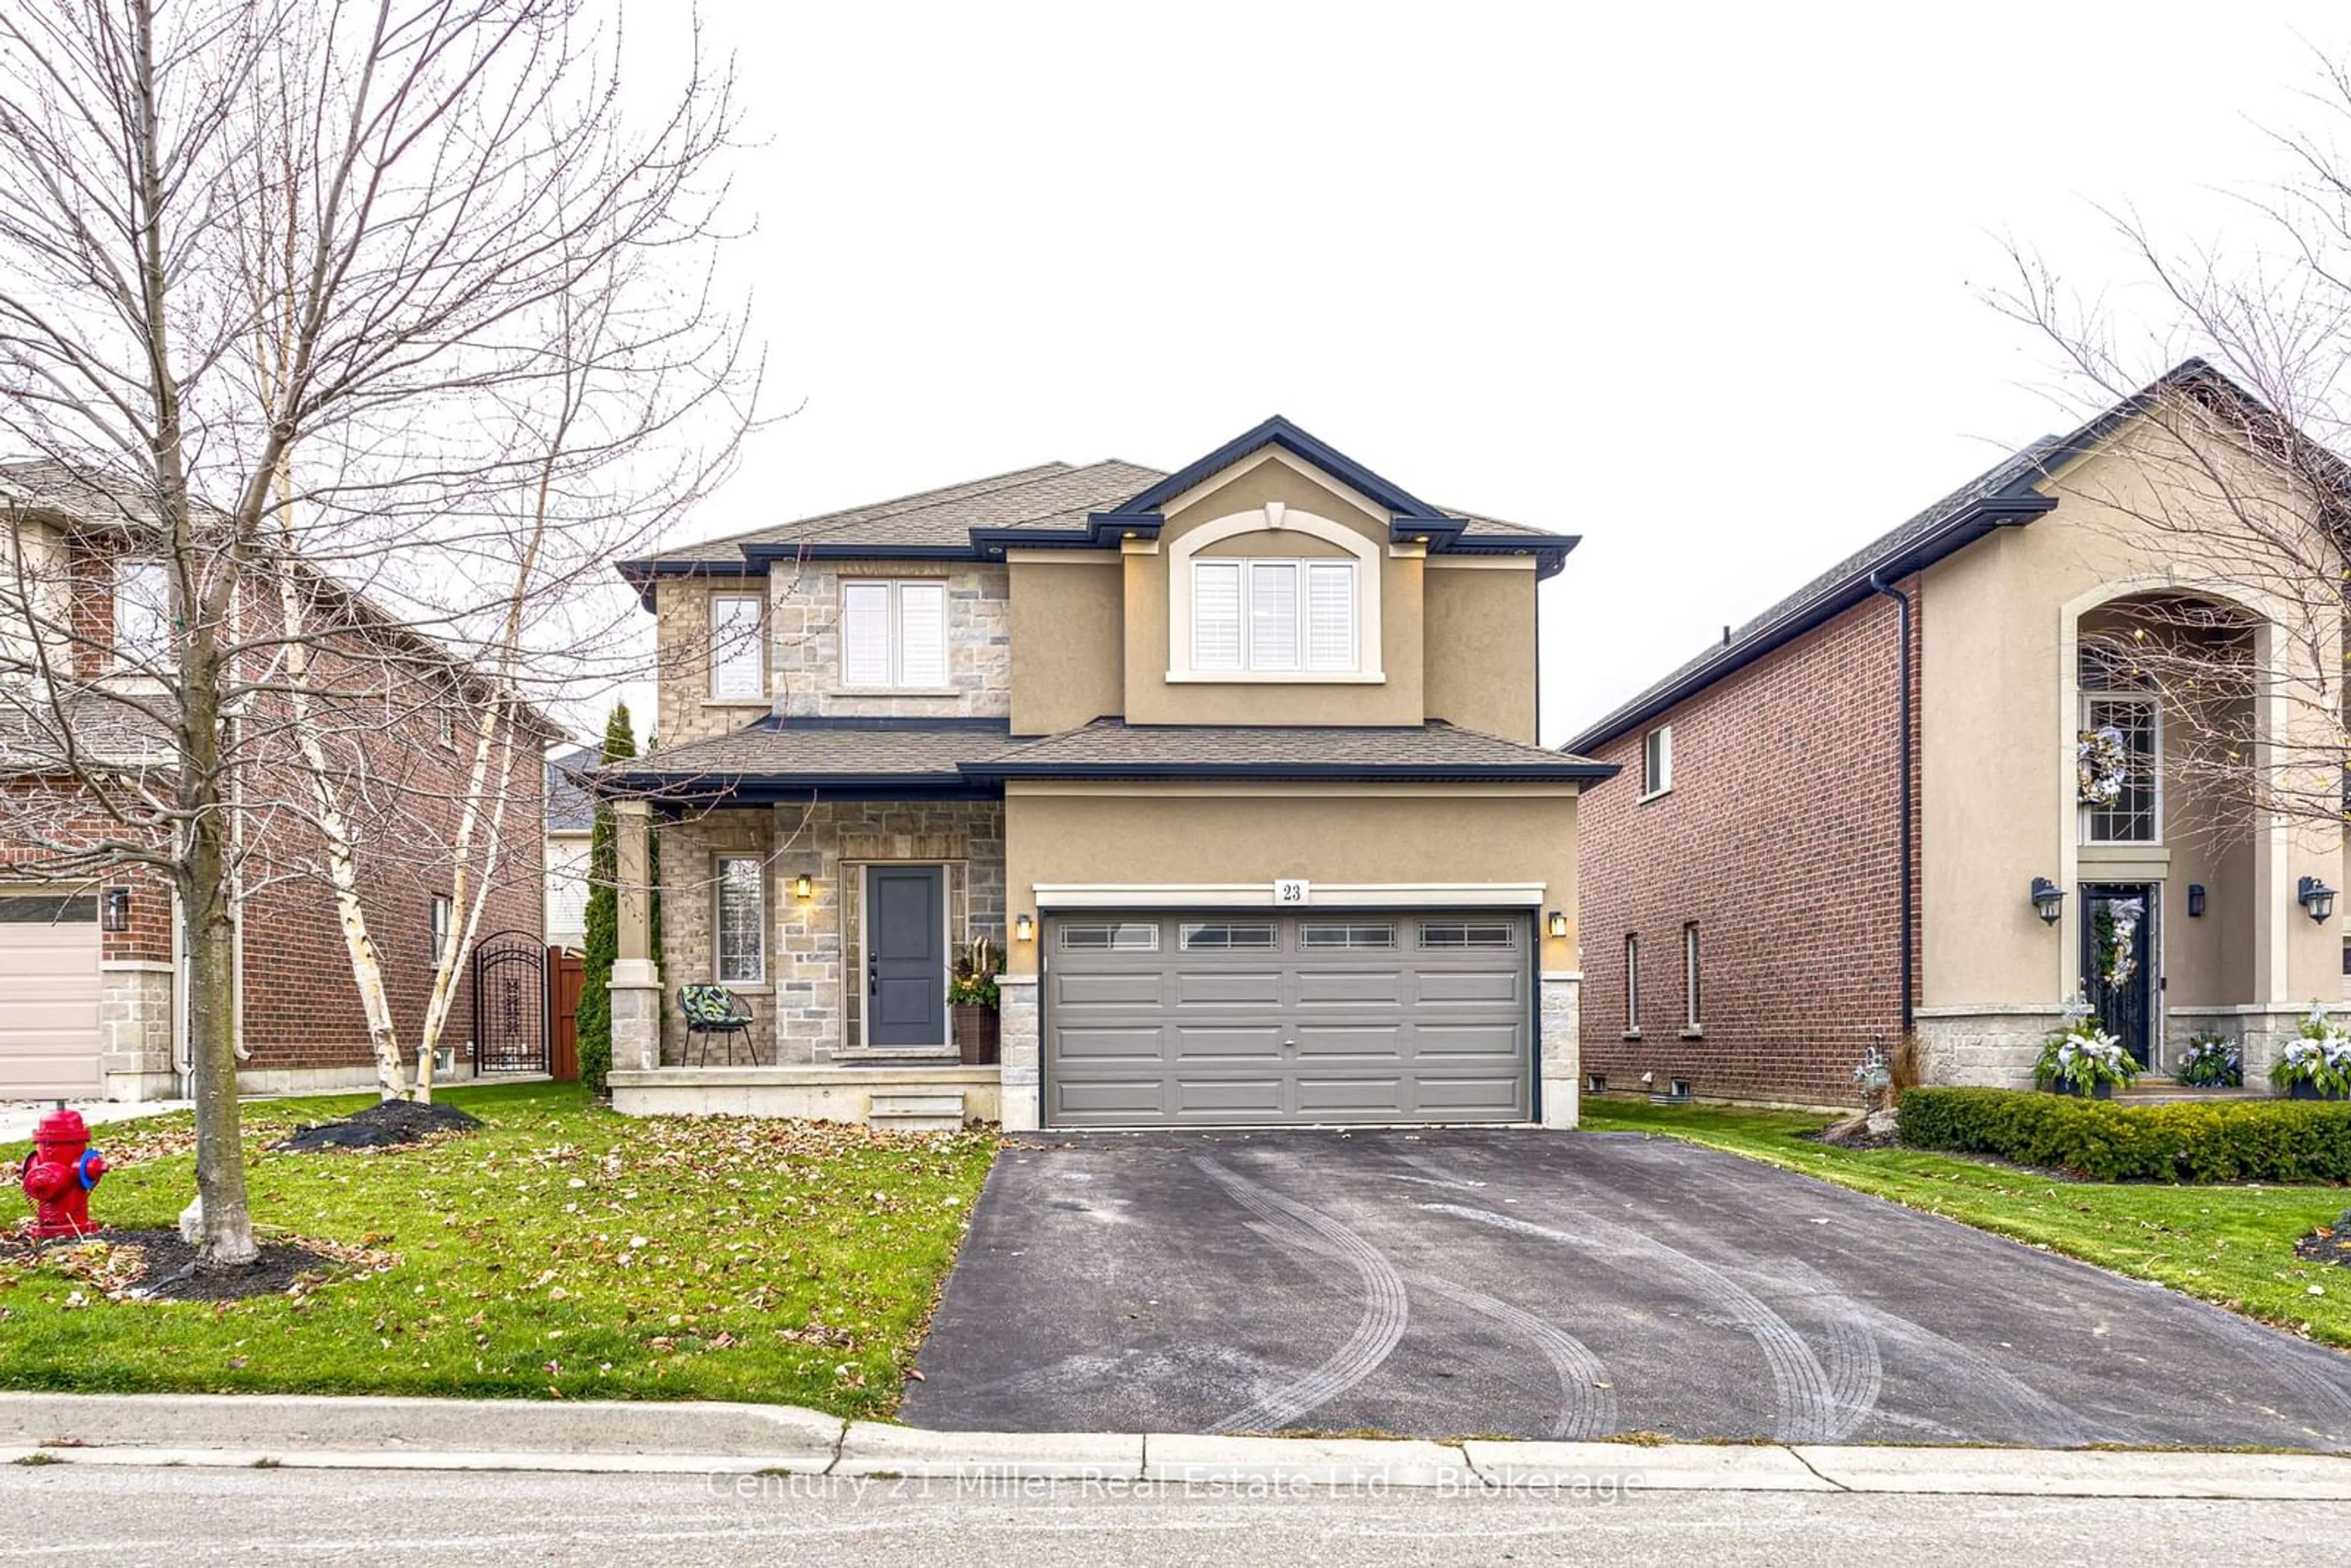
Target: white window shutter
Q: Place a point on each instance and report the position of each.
(923, 635)
(1216, 615)
(1331, 616)
(865, 634)
(735, 666)
(1273, 615)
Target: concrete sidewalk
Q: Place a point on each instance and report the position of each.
(301, 1432)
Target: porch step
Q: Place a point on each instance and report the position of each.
(2165, 1092)
(918, 1111)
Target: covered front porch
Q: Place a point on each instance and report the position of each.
(831, 894)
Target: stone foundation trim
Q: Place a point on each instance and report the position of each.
(847, 1094)
(1559, 1050)
(1021, 1045)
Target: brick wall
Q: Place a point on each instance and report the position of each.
(1779, 838)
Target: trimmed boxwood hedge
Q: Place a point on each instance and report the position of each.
(2223, 1140)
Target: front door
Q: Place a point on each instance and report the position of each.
(905, 955)
(2118, 951)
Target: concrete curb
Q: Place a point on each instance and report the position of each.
(297, 1432)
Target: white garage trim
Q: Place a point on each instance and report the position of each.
(1259, 895)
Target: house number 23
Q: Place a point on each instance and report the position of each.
(1289, 891)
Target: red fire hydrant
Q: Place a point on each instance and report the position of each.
(59, 1173)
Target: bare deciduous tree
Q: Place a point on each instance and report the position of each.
(373, 331)
(2235, 492)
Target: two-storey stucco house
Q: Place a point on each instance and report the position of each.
(1235, 766)
(2031, 750)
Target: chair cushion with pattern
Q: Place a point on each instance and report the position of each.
(706, 1004)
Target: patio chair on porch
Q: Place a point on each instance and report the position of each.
(715, 1010)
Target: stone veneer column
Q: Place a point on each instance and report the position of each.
(1019, 1040)
(635, 985)
(134, 1015)
(1562, 1086)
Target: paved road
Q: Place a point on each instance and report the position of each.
(185, 1518)
(1463, 1283)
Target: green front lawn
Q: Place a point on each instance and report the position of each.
(562, 1252)
(2233, 1245)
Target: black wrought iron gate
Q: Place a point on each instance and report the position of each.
(510, 1003)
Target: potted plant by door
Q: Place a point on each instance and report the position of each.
(2210, 1061)
(2316, 1063)
(2082, 1058)
(972, 993)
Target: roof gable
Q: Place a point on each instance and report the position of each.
(2008, 494)
(1402, 505)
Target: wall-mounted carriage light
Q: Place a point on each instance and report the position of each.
(803, 887)
(2048, 900)
(1023, 929)
(2195, 900)
(2317, 898)
(1558, 923)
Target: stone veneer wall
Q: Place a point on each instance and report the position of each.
(799, 1007)
(1994, 1046)
(1559, 1050)
(804, 641)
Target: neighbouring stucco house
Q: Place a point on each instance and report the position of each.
(571, 822)
(93, 994)
(1771, 887)
(1236, 764)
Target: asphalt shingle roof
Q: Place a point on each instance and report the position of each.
(96, 729)
(1051, 496)
(569, 808)
(816, 749)
(1111, 747)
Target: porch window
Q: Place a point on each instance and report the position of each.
(2132, 810)
(142, 612)
(737, 670)
(893, 635)
(741, 922)
(1274, 616)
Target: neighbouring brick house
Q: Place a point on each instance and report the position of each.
(91, 1002)
(1744, 899)
(1236, 766)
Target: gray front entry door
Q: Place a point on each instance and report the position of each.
(905, 955)
(1249, 1018)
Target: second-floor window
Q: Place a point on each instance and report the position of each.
(1632, 983)
(1658, 760)
(142, 612)
(893, 635)
(1273, 615)
(737, 669)
(2125, 807)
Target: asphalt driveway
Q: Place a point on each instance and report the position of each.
(1524, 1284)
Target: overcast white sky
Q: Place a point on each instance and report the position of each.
(1702, 285)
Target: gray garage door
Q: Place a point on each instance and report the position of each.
(1249, 1019)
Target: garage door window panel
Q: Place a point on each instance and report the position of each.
(1469, 935)
(1118, 936)
(1229, 937)
(1327, 937)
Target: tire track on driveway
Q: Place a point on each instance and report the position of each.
(1587, 1397)
(1385, 1309)
(1807, 1407)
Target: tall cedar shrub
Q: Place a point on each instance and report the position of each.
(2218, 1141)
(601, 942)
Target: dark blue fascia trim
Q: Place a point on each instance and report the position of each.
(772, 789)
(644, 576)
(1301, 771)
(960, 722)
(763, 554)
(1983, 517)
(1143, 509)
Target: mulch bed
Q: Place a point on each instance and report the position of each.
(2325, 1245)
(391, 1123)
(167, 1270)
